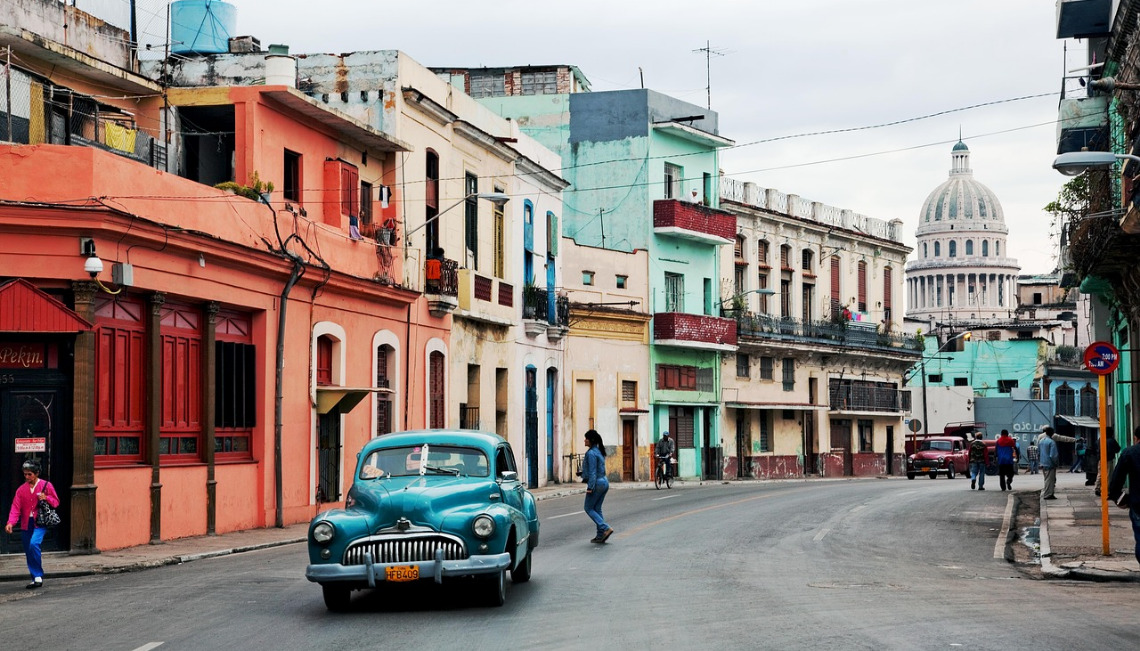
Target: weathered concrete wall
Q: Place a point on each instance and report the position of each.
(52, 20)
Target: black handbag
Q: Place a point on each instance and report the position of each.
(46, 515)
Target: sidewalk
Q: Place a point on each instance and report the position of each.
(61, 564)
(1071, 541)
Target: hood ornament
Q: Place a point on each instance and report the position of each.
(403, 524)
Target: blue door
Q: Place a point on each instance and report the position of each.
(551, 379)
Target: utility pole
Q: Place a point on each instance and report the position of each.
(709, 51)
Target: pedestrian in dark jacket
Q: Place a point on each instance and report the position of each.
(594, 474)
(1128, 468)
(1006, 456)
(979, 456)
(1113, 449)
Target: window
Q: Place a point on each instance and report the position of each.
(1005, 386)
(997, 249)
(766, 366)
(324, 360)
(436, 379)
(762, 283)
(587, 278)
(180, 431)
(385, 357)
(738, 280)
(961, 382)
(629, 393)
(1037, 298)
(235, 399)
(365, 205)
(866, 435)
(935, 378)
(807, 261)
(540, 83)
(431, 202)
(500, 246)
(673, 178)
(672, 376)
(925, 250)
(789, 374)
(937, 249)
(786, 258)
(765, 432)
(985, 248)
(742, 365)
(674, 292)
(1089, 406)
(471, 219)
(1066, 401)
(738, 249)
(621, 281)
(953, 249)
(969, 247)
(862, 272)
(349, 184)
(120, 354)
(762, 254)
(836, 297)
(486, 85)
(888, 278)
(291, 188)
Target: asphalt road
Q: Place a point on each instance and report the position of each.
(868, 564)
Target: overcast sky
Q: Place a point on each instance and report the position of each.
(785, 68)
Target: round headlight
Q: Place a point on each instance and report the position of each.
(323, 532)
(483, 526)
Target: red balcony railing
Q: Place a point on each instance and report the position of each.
(694, 221)
(697, 328)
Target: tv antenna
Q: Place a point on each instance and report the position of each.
(709, 51)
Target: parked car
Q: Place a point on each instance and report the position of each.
(936, 455)
(427, 506)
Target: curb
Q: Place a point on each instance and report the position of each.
(1046, 552)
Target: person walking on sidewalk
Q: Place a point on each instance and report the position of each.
(978, 458)
(1006, 458)
(1078, 455)
(594, 474)
(1128, 467)
(1049, 462)
(1033, 456)
(27, 497)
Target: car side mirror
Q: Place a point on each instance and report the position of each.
(508, 475)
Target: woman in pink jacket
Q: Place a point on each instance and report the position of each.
(23, 512)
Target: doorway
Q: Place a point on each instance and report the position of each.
(531, 427)
(35, 424)
(328, 457)
(628, 449)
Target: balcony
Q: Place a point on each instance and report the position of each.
(1083, 18)
(865, 396)
(441, 286)
(545, 311)
(694, 331)
(756, 327)
(1082, 122)
(692, 221)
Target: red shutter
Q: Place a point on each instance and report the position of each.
(324, 361)
(887, 288)
(836, 298)
(435, 384)
(349, 190)
(862, 286)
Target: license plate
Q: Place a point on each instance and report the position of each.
(402, 573)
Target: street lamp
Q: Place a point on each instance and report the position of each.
(922, 364)
(1076, 163)
(497, 198)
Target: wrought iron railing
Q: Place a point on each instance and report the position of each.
(447, 284)
(468, 417)
(540, 304)
(766, 326)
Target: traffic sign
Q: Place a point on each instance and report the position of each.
(1101, 357)
(915, 425)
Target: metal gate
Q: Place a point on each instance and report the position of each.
(328, 457)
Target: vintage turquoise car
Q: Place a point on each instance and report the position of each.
(427, 505)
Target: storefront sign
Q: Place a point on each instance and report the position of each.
(31, 445)
(23, 355)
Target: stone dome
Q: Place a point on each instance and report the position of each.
(961, 198)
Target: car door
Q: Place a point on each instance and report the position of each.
(512, 489)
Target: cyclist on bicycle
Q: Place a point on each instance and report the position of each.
(664, 452)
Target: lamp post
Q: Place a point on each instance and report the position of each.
(1076, 163)
(497, 198)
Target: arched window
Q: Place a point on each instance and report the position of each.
(969, 247)
(997, 248)
(937, 249)
(985, 248)
(1066, 399)
(953, 247)
(385, 357)
(925, 250)
(1089, 406)
(436, 379)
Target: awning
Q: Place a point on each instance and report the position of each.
(26, 308)
(343, 399)
(1081, 421)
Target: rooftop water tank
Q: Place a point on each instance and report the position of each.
(201, 26)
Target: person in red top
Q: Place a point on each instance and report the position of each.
(1006, 451)
(23, 512)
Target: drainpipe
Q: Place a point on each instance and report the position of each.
(278, 393)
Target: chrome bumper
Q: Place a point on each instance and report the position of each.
(370, 573)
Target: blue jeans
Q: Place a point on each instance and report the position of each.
(978, 472)
(594, 504)
(33, 537)
(1132, 513)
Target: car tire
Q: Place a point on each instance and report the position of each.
(521, 574)
(495, 588)
(910, 475)
(337, 598)
(950, 472)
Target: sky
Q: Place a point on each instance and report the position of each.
(780, 70)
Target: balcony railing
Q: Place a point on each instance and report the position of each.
(764, 326)
(537, 305)
(695, 328)
(693, 221)
(865, 398)
(468, 417)
(446, 281)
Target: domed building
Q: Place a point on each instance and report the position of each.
(961, 273)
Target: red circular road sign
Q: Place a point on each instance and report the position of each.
(1101, 357)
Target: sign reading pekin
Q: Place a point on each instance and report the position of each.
(13, 355)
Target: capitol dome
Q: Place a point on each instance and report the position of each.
(961, 273)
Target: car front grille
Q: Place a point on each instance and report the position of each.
(405, 549)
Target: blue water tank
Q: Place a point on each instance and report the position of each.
(201, 26)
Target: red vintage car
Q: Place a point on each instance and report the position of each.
(935, 455)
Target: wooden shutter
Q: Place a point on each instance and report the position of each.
(349, 187)
(836, 297)
(862, 286)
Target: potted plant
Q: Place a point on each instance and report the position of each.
(257, 189)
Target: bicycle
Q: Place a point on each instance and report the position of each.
(664, 473)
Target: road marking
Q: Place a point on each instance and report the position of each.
(819, 536)
(667, 497)
(564, 515)
(859, 508)
(908, 492)
(149, 646)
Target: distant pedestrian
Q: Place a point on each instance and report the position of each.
(1113, 448)
(1006, 456)
(1033, 456)
(1091, 461)
(1128, 467)
(978, 458)
(24, 504)
(1049, 462)
(1078, 455)
(594, 474)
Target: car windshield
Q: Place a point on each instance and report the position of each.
(934, 445)
(441, 459)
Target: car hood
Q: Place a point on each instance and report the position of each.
(930, 454)
(426, 500)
